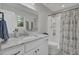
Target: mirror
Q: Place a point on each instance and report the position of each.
(31, 25)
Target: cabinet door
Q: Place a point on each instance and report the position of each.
(40, 50)
(43, 50)
(34, 44)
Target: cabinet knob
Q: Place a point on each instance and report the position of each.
(37, 49)
(17, 53)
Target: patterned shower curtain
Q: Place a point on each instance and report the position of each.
(69, 43)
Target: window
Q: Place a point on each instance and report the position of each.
(20, 21)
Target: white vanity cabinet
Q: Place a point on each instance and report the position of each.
(38, 46)
(41, 50)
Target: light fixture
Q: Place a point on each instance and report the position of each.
(62, 6)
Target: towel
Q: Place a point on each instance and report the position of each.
(3, 30)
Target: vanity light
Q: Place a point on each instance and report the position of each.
(62, 6)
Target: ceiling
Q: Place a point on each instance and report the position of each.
(59, 6)
(53, 7)
(29, 5)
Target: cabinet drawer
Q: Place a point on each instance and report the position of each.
(32, 52)
(40, 50)
(33, 44)
(43, 49)
(16, 50)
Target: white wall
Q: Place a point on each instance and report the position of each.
(42, 22)
(43, 17)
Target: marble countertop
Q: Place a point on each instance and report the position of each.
(16, 41)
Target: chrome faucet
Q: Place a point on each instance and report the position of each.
(15, 33)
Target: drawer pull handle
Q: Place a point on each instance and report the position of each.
(37, 49)
(17, 53)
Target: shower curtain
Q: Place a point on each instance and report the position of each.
(69, 31)
(70, 28)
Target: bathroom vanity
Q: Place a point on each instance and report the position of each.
(23, 45)
(26, 45)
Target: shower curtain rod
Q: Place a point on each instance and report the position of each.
(63, 11)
